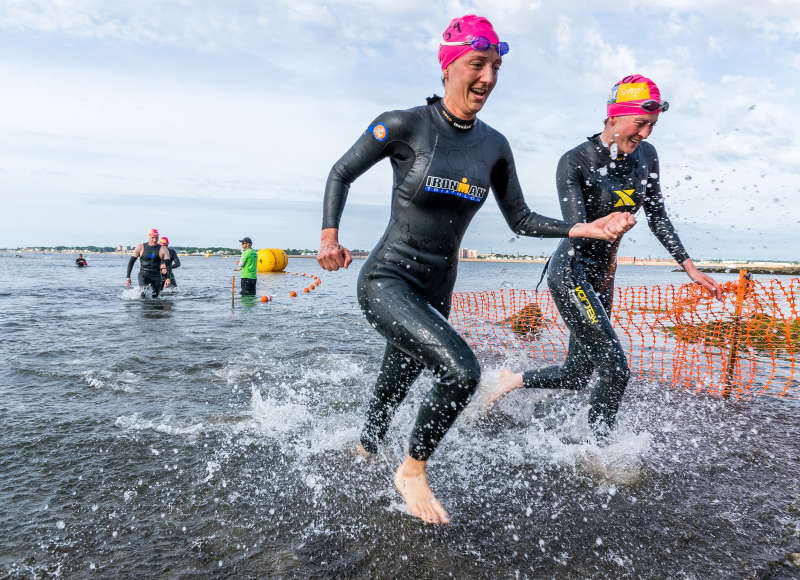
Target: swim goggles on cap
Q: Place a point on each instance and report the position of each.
(652, 106)
(648, 106)
(480, 43)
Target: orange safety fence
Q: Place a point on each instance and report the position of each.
(742, 346)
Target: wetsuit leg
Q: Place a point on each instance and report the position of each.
(142, 284)
(398, 371)
(593, 344)
(573, 374)
(411, 324)
(154, 283)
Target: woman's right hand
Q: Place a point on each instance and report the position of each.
(332, 255)
(609, 228)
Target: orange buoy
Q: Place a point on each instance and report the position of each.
(305, 289)
(292, 293)
(264, 299)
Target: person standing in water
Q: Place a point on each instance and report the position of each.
(615, 170)
(445, 161)
(248, 264)
(174, 262)
(150, 256)
(80, 262)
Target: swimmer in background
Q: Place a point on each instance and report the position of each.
(150, 256)
(444, 161)
(174, 262)
(80, 262)
(615, 170)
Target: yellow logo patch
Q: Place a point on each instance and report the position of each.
(632, 92)
(624, 197)
(463, 187)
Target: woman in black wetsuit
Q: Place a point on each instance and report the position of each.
(616, 170)
(444, 162)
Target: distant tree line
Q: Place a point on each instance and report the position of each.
(70, 248)
(205, 250)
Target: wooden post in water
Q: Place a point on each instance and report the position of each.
(233, 290)
(737, 330)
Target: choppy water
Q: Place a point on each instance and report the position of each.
(185, 438)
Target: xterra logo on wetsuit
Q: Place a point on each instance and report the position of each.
(583, 302)
(624, 197)
(453, 187)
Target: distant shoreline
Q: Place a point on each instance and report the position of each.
(712, 266)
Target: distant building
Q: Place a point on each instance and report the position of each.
(123, 248)
(465, 253)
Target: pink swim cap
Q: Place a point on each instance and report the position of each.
(635, 95)
(464, 29)
(152, 232)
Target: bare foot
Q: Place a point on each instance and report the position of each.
(412, 483)
(363, 452)
(508, 382)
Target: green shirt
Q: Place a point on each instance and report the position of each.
(248, 263)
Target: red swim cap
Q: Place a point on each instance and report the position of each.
(464, 29)
(630, 94)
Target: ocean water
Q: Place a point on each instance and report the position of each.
(184, 437)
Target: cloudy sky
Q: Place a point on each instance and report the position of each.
(213, 120)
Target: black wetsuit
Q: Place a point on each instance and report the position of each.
(443, 168)
(581, 272)
(149, 269)
(174, 262)
(80, 262)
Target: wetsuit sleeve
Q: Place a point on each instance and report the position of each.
(373, 145)
(656, 213)
(168, 263)
(131, 262)
(176, 262)
(516, 212)
(570, 193)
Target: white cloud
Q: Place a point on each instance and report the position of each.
(564, 35)
(714, 45)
